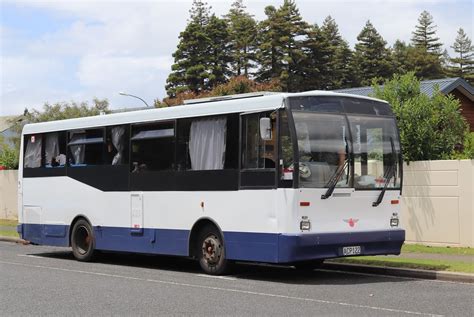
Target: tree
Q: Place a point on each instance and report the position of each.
(430, 127)
(242, 29)
(338, 74)
(235, 85)
(408, 58)
(424, 36)
(280, 48)
(371, 58)
(52, 112)
(189, 69)
(8, 155)
(463, 64)
(218, 53)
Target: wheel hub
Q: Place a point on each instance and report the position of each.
(211, 249)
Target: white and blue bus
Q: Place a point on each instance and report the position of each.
(290, 178)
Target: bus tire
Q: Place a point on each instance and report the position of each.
(210, 251)
(83, 241)
(308, 266)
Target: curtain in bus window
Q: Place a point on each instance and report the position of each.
(51, 147)
(33, 152)
(207, 144)
(78, 150)
(118, 134)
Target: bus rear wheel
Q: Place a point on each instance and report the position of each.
(210, 251)
(83, 241)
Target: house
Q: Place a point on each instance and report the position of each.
(457, 87)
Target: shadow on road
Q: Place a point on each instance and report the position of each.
(244, 271)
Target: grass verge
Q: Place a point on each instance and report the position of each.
(5, 233)
(418, 248)
(422, 264)
(11, 225)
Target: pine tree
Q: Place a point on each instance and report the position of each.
(269, 46)
(408, 58)
(371, 58)
(280, 49)
(242, 29)
(218, 53)
(339, 55)
(315, 65)
(424, 35)
(463, 64)
(189, 68)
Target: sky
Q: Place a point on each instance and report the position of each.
(73, 50)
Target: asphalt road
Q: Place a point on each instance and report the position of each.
(37, 280)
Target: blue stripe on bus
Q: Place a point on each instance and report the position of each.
(244, 246)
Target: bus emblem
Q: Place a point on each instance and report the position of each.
(351, 221)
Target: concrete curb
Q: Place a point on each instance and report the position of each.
(14, 240)
(401, 272)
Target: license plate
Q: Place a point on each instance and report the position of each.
(354, 250)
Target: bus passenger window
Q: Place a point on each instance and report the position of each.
(153, 147)
(86, 147)
(32, 158)
(117, 147)
(55, 149)
(207, 142)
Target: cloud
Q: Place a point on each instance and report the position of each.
(101, 47)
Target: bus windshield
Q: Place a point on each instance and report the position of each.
(338, 145)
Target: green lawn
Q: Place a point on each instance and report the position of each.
(422, 264)
(418, 248)
(8, 223)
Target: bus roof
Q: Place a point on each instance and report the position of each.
(264, 102)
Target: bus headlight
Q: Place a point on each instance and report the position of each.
(305, 224)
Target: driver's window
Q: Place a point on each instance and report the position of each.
(256, 152)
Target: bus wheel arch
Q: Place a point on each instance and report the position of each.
(82, 239)
(206, 244)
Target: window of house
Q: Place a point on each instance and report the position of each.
(153, 147)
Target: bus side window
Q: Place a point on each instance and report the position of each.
(86, 147)
(54, 149)
(153, 147)
(117, 145)
(33, 149)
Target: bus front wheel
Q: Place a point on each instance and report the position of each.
(211, 251)
(83, 241)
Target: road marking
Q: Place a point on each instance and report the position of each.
(229, 278)
(223, 289)
(31, 256)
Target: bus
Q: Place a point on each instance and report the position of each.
(282, 178)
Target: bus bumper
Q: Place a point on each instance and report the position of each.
(304, 247)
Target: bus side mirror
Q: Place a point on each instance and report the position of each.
(265, 129)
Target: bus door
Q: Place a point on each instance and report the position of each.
(136, 213)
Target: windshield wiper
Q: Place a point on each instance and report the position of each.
(337, 175)
(388, 176)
